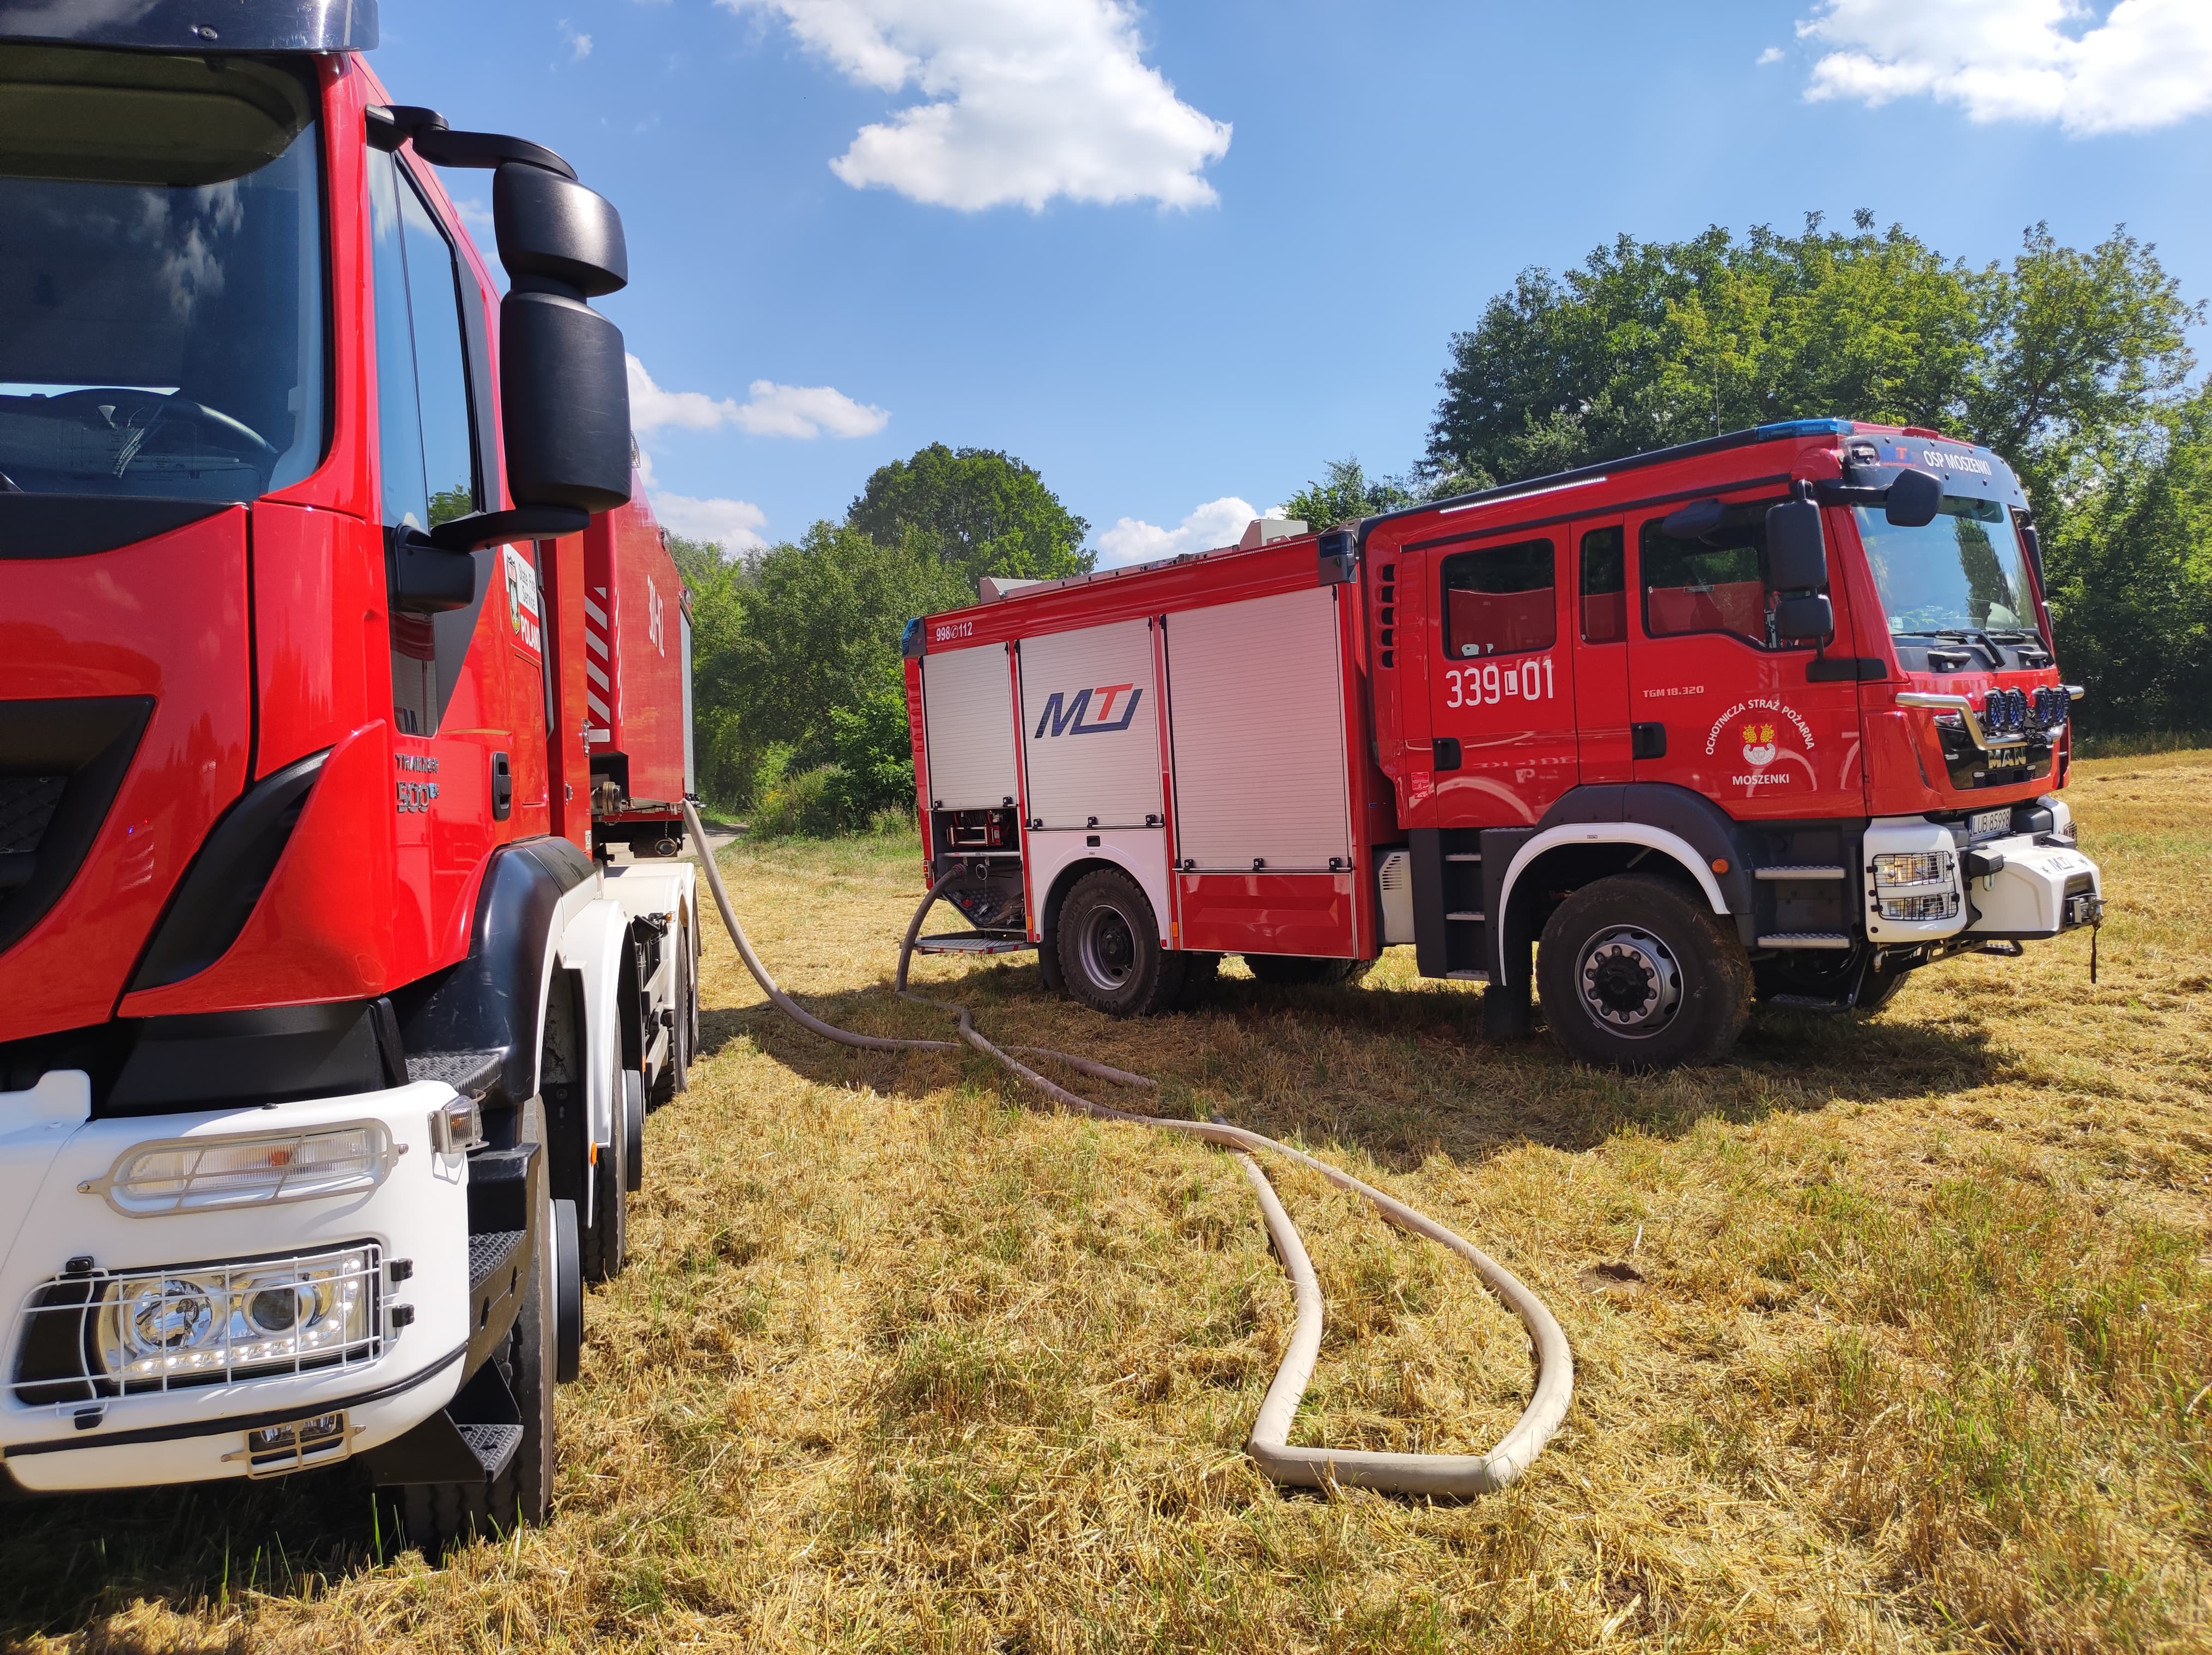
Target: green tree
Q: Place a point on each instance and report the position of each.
(797, 631)
(1649, 343)
(1346, 494)
(2129, 565)
(978, 511)
(701, 562)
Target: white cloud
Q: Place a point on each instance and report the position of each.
(2147, 63)
(1216, 524)
(1772, 55)
(579, 45)
(1024, 100)
(733, 525)
(771, 410)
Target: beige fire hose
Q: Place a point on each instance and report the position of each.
(1313, 1468)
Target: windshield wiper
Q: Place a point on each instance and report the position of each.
(1977, 637)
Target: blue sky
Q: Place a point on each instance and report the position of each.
(1180, 257)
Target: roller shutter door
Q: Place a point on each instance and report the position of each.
(1090, 727)
(968, 725)
(1256, 715)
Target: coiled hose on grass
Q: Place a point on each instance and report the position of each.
(1312, 1468)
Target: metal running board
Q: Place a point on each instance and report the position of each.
(1468, 976)
(1805, 940)
(469, 1073)
(494, 1446)
(972, 942)
(1462, 855)
(1468, 917)
(1806, 1002)
(489, 1253)
(1804, 871)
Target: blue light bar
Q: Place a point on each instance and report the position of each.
(1804, 428)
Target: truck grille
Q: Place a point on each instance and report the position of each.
(26, 805)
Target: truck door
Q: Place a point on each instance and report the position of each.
(1600, 651)
(1716, 706)
(1501, 703)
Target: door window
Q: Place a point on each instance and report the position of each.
(426, 441)
(1500, 600)
(1714, 582)
(1604, 595)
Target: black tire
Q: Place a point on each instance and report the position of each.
(1054, 980)
(440, 1516)
(1637, 973)
(603, 1244)
(682, 1031)
(1109, 948)
(1282, 970)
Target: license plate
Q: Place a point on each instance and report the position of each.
(1989, 824)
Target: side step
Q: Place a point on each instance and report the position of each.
(1803, 871)
(469, 1073)
(474, 1436)
(1805, 940)
(973, 942)
(489, 1254)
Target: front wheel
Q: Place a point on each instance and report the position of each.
(1635, 974)
(1109, 950)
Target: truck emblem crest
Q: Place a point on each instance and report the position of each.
(1758, 749)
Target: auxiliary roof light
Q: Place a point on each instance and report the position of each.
(201, 1173)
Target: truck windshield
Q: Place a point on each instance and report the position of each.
(1962, 572)
(161, 312)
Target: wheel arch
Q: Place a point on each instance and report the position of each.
(1069, 876)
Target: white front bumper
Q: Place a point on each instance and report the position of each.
(419, 1212)
(2029, 895)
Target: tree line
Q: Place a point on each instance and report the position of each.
(2073, 364)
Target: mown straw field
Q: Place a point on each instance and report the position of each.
(1920, 1357)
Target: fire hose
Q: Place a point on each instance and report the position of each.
(1312, 1468)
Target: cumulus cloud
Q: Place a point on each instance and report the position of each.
(2146, 64)
(770, 410)
(579, 45)
(1218, 523)
(1024, 100)
(735, 525)
(1772, 55)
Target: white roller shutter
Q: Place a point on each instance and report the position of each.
(968, 726)
(1256, 716)
(1090, 728)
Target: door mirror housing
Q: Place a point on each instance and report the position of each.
(552, 227)
(1914, 499)
(1796, 550)
(1806, 618)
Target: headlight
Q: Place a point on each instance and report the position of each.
(1945, 907)
(149, 1329)
(1912, 868)
(195, 1174)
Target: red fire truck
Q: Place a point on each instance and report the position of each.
(1773, 715)
(325, 1036)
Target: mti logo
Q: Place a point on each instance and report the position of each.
(1066, 717)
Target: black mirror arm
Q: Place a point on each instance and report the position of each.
(480, 529)
(390, 125)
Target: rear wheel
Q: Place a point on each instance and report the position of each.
(1636, 973)
(605, 1240)
(1109, 948)
(1284, 969)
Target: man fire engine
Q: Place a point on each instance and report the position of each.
(1773, 715)
(324, 1038)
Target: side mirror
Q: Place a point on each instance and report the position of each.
(1803, 619)
(1797, 551)
(552, 227)
(430, 578)
(1914, 499)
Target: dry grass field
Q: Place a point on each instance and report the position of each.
(1921, 1356)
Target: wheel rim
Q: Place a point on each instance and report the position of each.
(1631, 984)
(1108, 949)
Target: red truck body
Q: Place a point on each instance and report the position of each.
(637, 641)
(1436, 727)
(301, 519)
